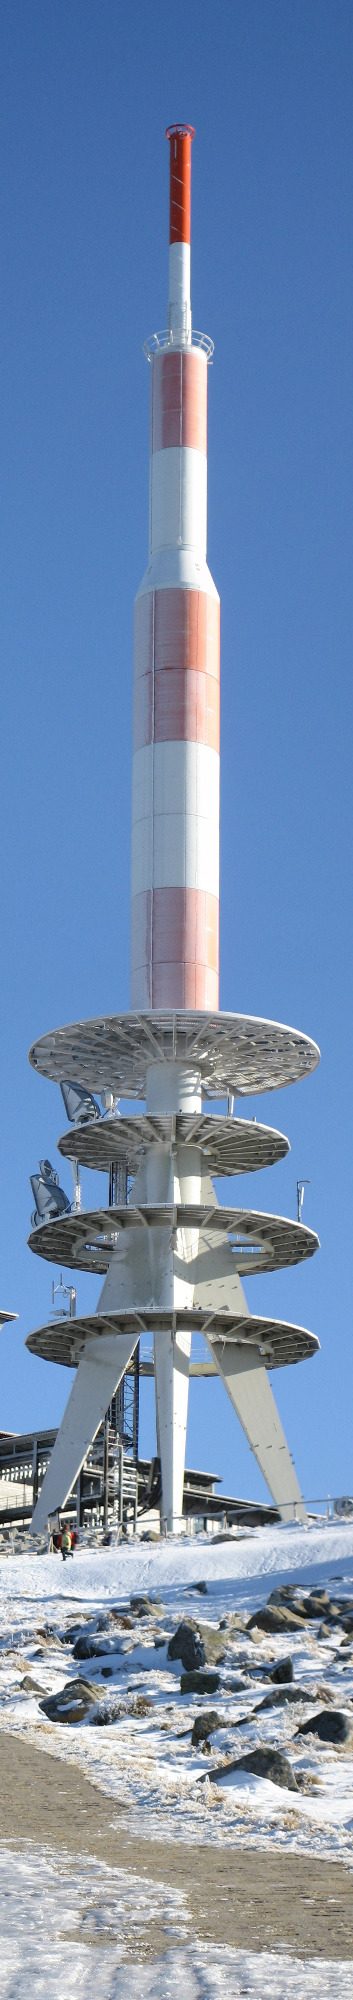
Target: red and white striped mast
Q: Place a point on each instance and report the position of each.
(175, 834)
(173, 1258)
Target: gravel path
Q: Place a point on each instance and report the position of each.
(240, 1897)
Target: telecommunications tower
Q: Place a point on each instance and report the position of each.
(173, 1259)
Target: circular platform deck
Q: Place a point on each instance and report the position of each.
(230, 1052)
(279, 1344)
(85, 1241)
(229, 1145)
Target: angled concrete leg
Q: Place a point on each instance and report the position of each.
(247, 1384)
(171, 1364)
(98, 1375)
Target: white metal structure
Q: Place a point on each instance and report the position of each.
(173, 1259)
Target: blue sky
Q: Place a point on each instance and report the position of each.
(87, 91)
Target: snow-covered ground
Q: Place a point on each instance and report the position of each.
(147, 1763)
(72, 1930)
(66, 1937)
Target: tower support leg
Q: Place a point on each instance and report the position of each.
(171, 1363)
(98, 1375)
(246, 1380)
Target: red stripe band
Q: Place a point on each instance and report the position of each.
(175, 949)
(180, 140)
(179, 400)
(177, 679)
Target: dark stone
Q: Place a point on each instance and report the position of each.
(84, 1648)
(331, 1725)
(283, 1671)
(144, 1604)
(199, 1683)
(215, 1645)
(73, 1702)
(319, 1596)
(200, 1587)
(95, 1648)
(27, 1686)
(187, 1647)
(204, 1724)
(280, 1695)
(280, 1595)
(276, 1618)
(264, 1763)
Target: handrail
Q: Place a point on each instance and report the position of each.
(157, 343)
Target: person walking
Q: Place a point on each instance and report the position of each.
(66, 1545)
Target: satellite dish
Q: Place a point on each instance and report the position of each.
(81, 1108)
(49, 1197)
(48, 1173)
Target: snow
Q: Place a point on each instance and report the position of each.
(162, 1780)
(68, 1933)
(66, 1927)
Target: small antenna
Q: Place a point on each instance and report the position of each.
(301, 1186)
(63, 1293)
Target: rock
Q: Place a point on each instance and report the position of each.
(86, 1649)
(331, 1725)
(283, 1671)
(312, 1604)
(233, 1622)
(330, 1613)
(325, 1631)
(214, 1643)
(204, 1724)
(187, 1647)
(276, 1618)
(234, 1686)
(264, 1763)
(73, 1703)
(97, 1649)
(280, 1695)
(199, 1683)
(316, 1607)
(123, 1619)
(279, 1596)
(27, 1686)
(201, 1587)
(144, 1604)
(320, 1596)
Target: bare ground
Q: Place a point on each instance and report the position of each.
(239, 1897)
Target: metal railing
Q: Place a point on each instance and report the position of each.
(157, 343)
